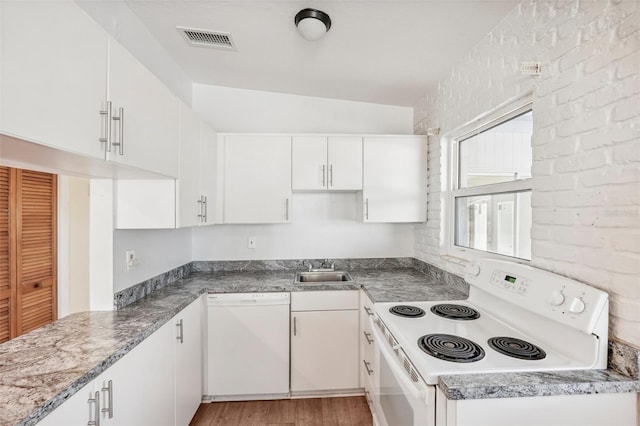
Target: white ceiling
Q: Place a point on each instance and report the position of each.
(388, 51)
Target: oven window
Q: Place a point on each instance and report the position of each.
(397, 410)
(491, 185)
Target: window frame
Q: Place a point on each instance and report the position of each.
(451, 141)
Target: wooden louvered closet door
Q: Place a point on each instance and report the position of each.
(7, 271)
(36, 268)
(28, 273)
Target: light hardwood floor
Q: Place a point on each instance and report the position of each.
(286, 412)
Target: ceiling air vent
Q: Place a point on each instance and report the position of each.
(206, 38)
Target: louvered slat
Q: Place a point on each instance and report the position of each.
(6, 275)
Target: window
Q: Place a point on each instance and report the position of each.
(491, 191)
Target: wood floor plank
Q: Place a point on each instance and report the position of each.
(343, 411)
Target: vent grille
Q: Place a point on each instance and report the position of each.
(206, 38)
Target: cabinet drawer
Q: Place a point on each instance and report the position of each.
(324, 300)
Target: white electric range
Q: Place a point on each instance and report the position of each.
(517, 319)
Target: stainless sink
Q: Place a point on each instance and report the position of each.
(323, 277)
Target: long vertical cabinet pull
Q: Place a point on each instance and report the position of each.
(109, 389)
(366, 209)
(180, 337)
(201, 216)
(120, 120)
(96, 413)
(295, 327)
(205, 203)
(106, 139)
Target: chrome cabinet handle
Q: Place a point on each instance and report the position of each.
(331, 175)
(96, 416)
(367, 397)
(295, 327)
(287, 209)
(106, 139)
(109, 389)
(205, 203)
(368, 337)
(323, 175)
(366, 208)
(366, 366)
(120, 119)
(368, 311)
(180, 337)
(203, 208)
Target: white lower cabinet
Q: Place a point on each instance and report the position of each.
(324, 342)
(188, 361)
(77, 410)
(159, 382)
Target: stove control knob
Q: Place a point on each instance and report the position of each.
(472, 269)
(577, 306)
(557, 298)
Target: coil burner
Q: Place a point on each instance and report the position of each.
(455, 312)
(407, 311)
(516, 348)
(451, 348)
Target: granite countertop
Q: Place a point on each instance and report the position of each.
(544, 383)
(40, 370)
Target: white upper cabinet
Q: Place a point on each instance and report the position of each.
(144, 113)
(196, 188)
(211, 205)
(188, 186)
(395, 182)
(53, 76)
(67, 85)
(257, 179)
(321, 163)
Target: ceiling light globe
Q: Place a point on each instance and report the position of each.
(312, 23)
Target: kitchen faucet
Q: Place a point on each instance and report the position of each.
(325, 266)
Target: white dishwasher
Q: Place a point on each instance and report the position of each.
(247, 346)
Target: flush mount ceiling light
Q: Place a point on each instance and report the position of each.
(312, 23)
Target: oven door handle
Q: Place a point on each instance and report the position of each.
(417, 389)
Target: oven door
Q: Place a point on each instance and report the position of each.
(399, 400)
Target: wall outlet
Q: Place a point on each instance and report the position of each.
(251, 242)
(131, 259)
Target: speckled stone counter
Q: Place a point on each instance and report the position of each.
(40, 370)
(516, 385)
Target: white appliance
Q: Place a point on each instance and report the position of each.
(517, 319)
(247, 346)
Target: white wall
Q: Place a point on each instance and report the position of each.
(239, 110)
(323, 226)
(73, 243)
(586, 155)
(157, 251)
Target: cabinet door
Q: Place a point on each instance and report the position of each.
(53, 75)
(345, 163)
(324, 350)
(309, 163)
(75, 411)
(257, 179)
(188, 185)
(208, 174)
(142, 383)
(188, 362)
(394, 179)
(148, 128)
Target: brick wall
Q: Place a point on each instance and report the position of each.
(586, 142)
